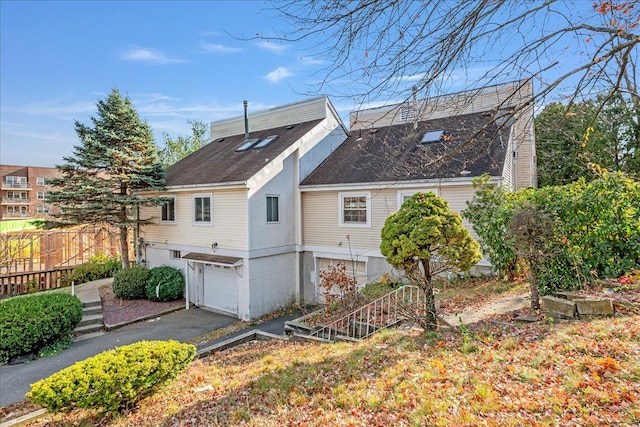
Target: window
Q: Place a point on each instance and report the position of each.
(17, 196)
(16, 181)
(41, 182)
(168, 211)
(268, 140)
(273, 213)
(42, 209)
(176, 254)
(432, 136)
(404, 195)
(355, 209)
(42, 195)
(202, 209)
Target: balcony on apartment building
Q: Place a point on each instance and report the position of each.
(16, 200)
(13, 185)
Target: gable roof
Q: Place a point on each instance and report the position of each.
(218, 162)
(473, 145)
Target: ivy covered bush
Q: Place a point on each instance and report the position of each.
(165, 283)
(115, 379)
(31, 322)
(131, 283)
(98, 267)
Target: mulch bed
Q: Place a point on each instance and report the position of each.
(116, 310)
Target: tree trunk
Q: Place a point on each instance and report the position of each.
(124, 246)
(422, 278)
(535, 293)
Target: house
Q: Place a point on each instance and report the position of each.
(282, 194)
(232, 223)
(438, 145)
(24, 189)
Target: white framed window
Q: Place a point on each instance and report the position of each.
(355, 209)
(406, 194)
(176, 254)
(202, 209)
(273, 209)
(42, 209)
(168, 211)
(42, 195)
(16, 181)
(41, 182)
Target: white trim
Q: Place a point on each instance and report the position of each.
(340, 256)
(163, 221)
(365, 186)
(411, 192)
(341, 197)
(193, 208)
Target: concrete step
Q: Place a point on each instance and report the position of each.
(92, 303)
(87, 311)
(91, 319)
(87, 329)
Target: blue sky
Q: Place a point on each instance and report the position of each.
(175, 60)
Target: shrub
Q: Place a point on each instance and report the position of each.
(115, 379)
(165, 283)
(31, 322)
(98, 267)
(131, 283)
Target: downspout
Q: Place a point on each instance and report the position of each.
(298, 229)
(186, 285)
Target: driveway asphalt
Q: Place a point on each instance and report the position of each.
(15, 380)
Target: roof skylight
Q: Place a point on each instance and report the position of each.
(432, 136)
(249, 143)
(268, 140)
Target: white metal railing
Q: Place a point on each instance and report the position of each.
(379, 314)
(18, 200)
(15, 185)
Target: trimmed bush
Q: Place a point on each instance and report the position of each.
(31, 322)
(98, 267)
(131, 283)
(115, 379)
(165, 283)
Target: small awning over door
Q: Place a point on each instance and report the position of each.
(225, 261)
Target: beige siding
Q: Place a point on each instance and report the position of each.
(320, 216)
(442, 106)
(229, 227)
(525, 146)
(304, 111)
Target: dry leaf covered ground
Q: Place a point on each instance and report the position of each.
(569, 373)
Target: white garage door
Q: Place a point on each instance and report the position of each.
(221, 288)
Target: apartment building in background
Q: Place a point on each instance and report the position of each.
(23, 191)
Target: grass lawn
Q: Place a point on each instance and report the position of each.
(548, 373)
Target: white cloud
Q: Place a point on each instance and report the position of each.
(219, 48)
(278, 74)
(271, 46)
(151, 56)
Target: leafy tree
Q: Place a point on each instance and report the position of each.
(424, 238)
(600, 131)
(181, 147)
(385, 48)
(103, 179)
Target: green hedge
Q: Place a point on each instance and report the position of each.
(31, 322)
(165, 283)
(131, 283)
(115, 379)
(98, 267)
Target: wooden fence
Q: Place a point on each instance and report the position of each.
(35, 281)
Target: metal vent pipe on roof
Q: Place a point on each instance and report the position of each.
(246, 121)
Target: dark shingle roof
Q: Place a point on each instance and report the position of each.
(218, 162)
(473, 143)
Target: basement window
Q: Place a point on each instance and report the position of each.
(432, 136)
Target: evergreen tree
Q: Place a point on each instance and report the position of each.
(102, 181)
(425, 238)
